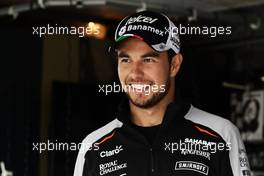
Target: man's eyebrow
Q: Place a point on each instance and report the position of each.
(151, 54)
(122, 54)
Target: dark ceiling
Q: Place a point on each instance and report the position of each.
(245, 16)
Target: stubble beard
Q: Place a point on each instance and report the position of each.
(155, 98)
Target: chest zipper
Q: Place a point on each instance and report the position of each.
(151, 161)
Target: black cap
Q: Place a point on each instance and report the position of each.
(156, 29)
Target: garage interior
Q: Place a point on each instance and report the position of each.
(50, 83)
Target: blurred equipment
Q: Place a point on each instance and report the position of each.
(247, 114)
(256, 157)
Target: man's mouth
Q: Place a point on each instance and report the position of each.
(139, 86)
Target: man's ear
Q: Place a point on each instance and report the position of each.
(175, 64)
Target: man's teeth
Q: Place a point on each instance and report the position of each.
(138, 86)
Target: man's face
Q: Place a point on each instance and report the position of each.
(143, 72)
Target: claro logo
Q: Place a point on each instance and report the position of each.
(117, 150)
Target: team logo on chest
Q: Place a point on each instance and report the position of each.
(113, 152)
(192, 166)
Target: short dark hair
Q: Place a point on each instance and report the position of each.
(171, 54)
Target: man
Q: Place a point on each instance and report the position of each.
(151, 134)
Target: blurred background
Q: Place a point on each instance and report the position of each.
(50, 83)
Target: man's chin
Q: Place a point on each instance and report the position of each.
(140, 103)
(141, 100)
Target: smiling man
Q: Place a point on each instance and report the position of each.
(142, 68)
(151, 134)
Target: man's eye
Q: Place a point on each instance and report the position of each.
(124, 60)
(149, 59)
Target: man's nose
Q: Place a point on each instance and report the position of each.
(137, 69)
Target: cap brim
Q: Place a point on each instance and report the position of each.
(119, 40)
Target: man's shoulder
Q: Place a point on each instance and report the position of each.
(90, 140)
(99, 133)
(220, 125)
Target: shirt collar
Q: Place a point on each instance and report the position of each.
(175, 111)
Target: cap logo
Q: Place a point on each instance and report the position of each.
(141, 18)
(145, 28)
(122, 30)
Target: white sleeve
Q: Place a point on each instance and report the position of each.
(229, 132)
(88, 142)
(238, 155)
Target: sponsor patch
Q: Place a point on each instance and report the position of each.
(198, 142)
(246, 173)
(193, 166)
(243, 159)
(196, 152)
(111, 166)
(115, 151)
